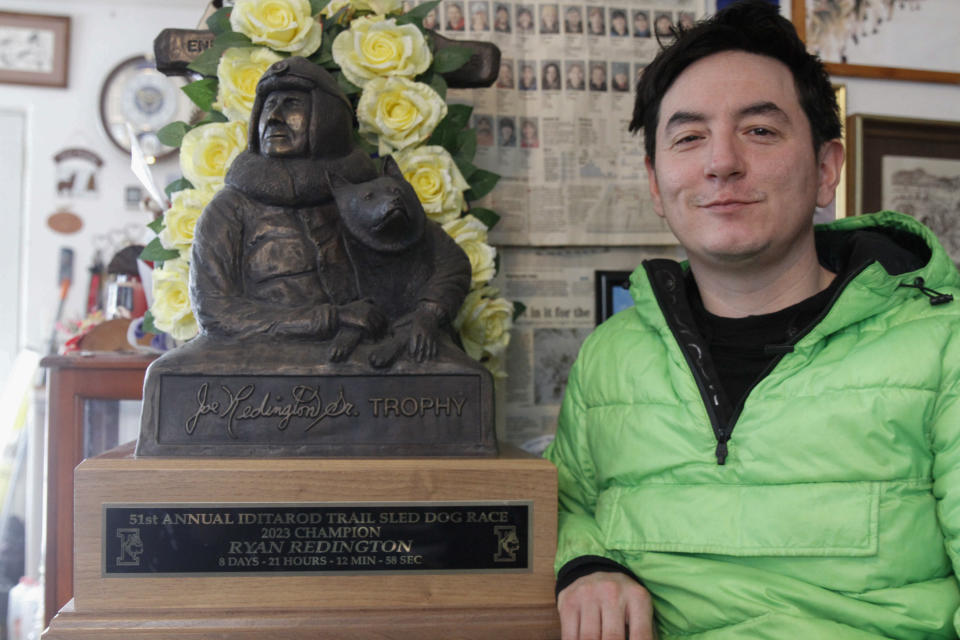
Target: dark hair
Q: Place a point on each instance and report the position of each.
(753, 26)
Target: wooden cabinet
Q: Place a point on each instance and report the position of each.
(83, 409)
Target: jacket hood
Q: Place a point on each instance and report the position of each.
(879, 256)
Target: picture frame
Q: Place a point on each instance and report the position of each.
(34, 49)
(918, 161)
(912, 51)
(612, 294)
(872, 137)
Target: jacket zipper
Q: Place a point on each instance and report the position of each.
(692, 345)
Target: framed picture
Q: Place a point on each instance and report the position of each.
(34, 49)
(907, 165)
(896, 40)
(612, 289)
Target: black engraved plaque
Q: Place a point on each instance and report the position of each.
(258, 539)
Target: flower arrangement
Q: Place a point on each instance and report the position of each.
(389, 67)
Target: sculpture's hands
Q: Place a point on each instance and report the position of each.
(365, 315)
(606, 606)
(424, 327)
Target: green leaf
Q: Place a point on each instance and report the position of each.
(157, 224)
(148, 326)
(467, 168)
(418, 13)
(518, 309)
(219, 21)
(316, 6)
(172, 134)
(489, 217)
(154, 252)
(203, 92)
(459, 115)
(229, 39)
(346, 86)
(467, 144)
(444, 134)
(481, 183)
(177, 185)
(206, 63)
(438, 84)
(212, 116)
(451, 59)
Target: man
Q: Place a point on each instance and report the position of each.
(573, 20)
(598, 76)
(268, 257)
(641, 24)
(575, 76)
(767, 445)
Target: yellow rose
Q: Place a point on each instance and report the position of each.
(207, 151)
(436, 179)
(282, 25)
(400, 112)
(171, 300)
(180, 220)
(471, 235)
(484, 323)
(373, 47)
(380, 7)
(239, 71)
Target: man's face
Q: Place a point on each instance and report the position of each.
(573, 17)
(736, 175)
(527, 74)
(597, 75)
(640, 22)
(284, 124)
(575, 75)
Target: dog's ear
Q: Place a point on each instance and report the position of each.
(391, 168)
(337, 181)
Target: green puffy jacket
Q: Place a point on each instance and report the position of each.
(836, 513)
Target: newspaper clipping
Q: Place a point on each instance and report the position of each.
(555, 125)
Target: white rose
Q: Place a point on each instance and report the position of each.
(207, 151)
(282, 25)
(436, 179)
(171, 300)
(471, 235)
(484, 323)
(373, 47)
(238, 72)
(399, 112)
(180, 220)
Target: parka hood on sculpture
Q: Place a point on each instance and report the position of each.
(302, 181)
(331, 117)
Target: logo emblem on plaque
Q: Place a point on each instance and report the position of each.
(131, 546)
(507, 543)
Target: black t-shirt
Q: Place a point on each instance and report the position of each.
(742, 348)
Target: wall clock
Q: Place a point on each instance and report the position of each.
(135, 92)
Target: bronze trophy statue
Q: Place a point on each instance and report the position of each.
(324, 296)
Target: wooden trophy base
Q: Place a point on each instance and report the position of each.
(402, 595)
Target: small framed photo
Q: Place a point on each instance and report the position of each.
(34, 49)
(907, 165)
(612, 292)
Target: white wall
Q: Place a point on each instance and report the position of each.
(105, 32)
